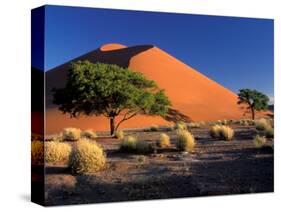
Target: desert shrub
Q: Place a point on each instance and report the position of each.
(86, 157)
(90, 134)
(185, 140)
(226, 133)
(164, 140)
(37, 152)
(154, 128)
(56, 151)
(71, 134)
(224, 122)
(128, 144)
(193, 125)
(180, 126)
(215, 131)
(219, 122)
(259, 141)
(119, 134)
(269, 132)
(222, 132)
(246, 122)
(271, 122)
(262, 124)
(142, 147)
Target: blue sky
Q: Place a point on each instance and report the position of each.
(235, 52)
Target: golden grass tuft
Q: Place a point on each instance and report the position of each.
(164, 141)
(128, 144)
(180, 126)
(269, 132)
(193, 125)
(260, 141)
(222, 132)
(154, 128)
(56, 152)
(86, 157)
(215, 131)
(226, 133)
(119, 134)
(185, 141)
(89, 134)
(71, 134)
(262, 124)
(37, 152)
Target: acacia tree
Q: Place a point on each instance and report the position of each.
(255, 100)
(111, 91)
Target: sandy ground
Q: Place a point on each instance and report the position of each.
(215, 168)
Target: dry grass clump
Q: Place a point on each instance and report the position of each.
(154, 128)
(180, 126)
(86, 157)
(132, 145)
(71, 134)
(224, 122)
(164, 141)
(185, 141)
(269, 132)
(262, 124)
(246, 122)
(260, 141)
(56, 152)
(119, 134)
(215, 131)
(226, 133)
(193, 125)
(128, 144)
(89, 134)
(222, 132)
(37, 152)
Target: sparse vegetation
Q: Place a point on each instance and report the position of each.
(180, 126)
(246, 122)
(37, 152)
(56, 152)
(255, 100)
(89, 134)
(71, 134)
(226, 133)
(215, 131)
(260, 141)
(185, 140)
(269, 132)
(128, 144)
(87, 157)
(224, 122)
(119, 134)
(221, 132)
(154, 128)
(262, 124)
(164, 141)
(193, 125)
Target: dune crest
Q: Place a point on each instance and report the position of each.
(112, 46)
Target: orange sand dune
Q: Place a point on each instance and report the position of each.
(194, 97)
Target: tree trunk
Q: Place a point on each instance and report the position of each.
(112, 125)
(253, 113)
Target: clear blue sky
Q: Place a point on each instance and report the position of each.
(235, 52)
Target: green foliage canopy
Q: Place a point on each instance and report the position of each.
(109, 90)
(255, 100)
